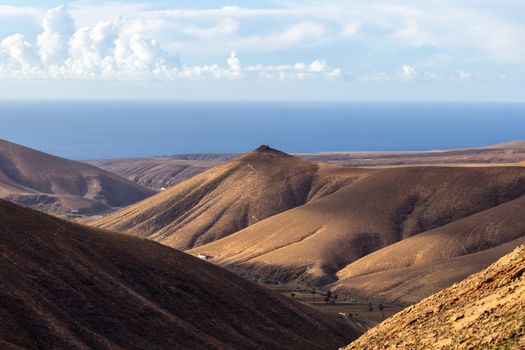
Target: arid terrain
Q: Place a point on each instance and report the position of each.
(166, 171)
(272, 217)
(156, 172)
(64, 285)
(57, 185)
(226, 199)
(485, 311)
(373, 233)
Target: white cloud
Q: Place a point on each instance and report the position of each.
(118, 40)
(53, 41)
(233, 62)
(302, 31)
(19, 51)
(17, 11)
(407, 73)
(223, 27)
(119, 50)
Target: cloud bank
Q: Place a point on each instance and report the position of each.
(116, 50)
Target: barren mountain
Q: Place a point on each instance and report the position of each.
(485, 311)
(65, 285)
(272, 217)
(155, 172)
(58, 185)
(312, 242)
(228, 198)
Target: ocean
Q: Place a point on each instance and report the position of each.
(97, 130)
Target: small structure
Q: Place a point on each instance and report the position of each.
(73, 213)
(204, 256)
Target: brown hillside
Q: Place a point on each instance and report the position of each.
(485, 311)
(228, 198)
(488, 228)
(155, 172)
(410, 284)
(69, 286)
(58, 185)
(311, 243)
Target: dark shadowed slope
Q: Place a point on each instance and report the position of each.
(58, 185)
(485, 311)
(155, 172)
(311, 243)
(69, 286)
(228, 198)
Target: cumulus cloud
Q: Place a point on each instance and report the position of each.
(117, 50)
(53, 41)
(19, 51)
(407, 73)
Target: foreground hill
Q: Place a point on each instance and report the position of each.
(69, 286)
(228, 198)
(487, 310)
(58, 185)
(156, 172)
(435, 213)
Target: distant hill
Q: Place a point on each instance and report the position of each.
(519, 144)
(155, 172)
(57, 185)
(228, 198)
(65, 285)
(485, 311)
(166, 171)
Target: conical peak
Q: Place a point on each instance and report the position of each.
(264, 152)
(267, 150)
(264, 148)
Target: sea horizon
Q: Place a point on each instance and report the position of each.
(104, 129)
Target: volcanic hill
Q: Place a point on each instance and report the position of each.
(228, 198)
(272, 217)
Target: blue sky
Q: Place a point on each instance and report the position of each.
(300, 49)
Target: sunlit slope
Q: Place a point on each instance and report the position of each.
(228, 198)
(58, 185)
(410, 284)
(485, 311)
(69, 286)
(485, 229)
(311, 243)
